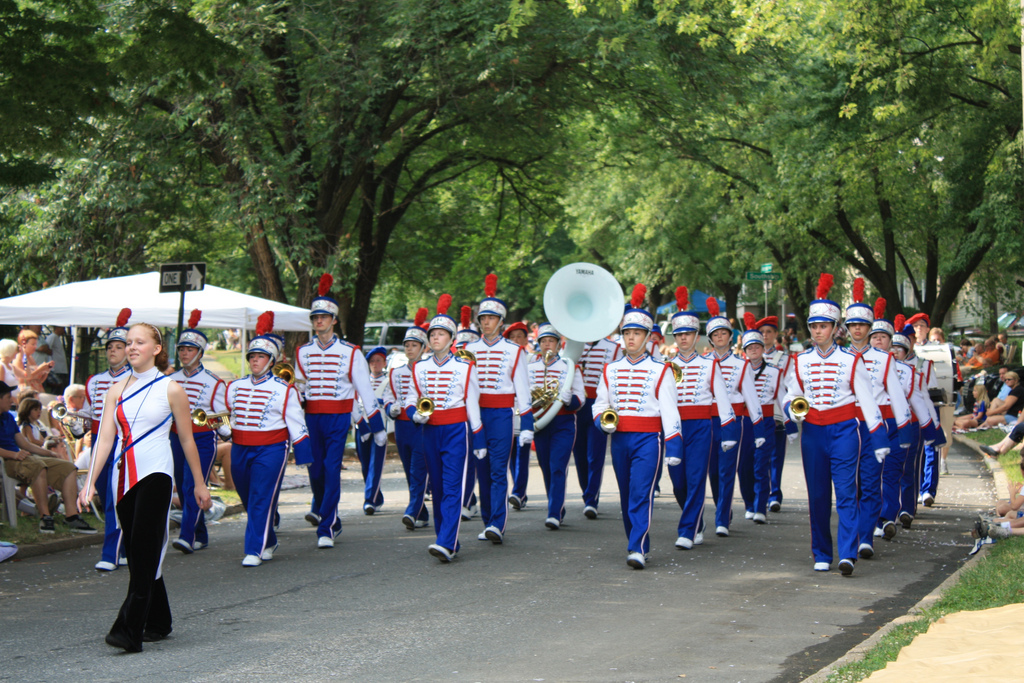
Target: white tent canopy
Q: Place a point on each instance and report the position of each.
(96, 303)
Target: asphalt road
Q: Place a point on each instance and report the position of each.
(545, 606)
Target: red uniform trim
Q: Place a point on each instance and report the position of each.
(497, 400)
(325, 406)
(632, 423)
(448, 417)
(260, 438)
(768, 410)
(590, 393)
(833, 415)
(696, 412)
(740, 409)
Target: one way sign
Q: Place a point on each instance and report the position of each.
(182, 277)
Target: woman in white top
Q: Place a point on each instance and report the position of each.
(8, 350)
(138, 410)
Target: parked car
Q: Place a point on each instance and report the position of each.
(388, 334)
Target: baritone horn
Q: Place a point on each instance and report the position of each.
(799, 407)
(583, 302)
(201, 418)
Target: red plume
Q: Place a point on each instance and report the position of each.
(193, 318)
(636, 299)
(824, 285)
(899, 323)
(858, 291)
(879, 308)
(491, 285)
(466, 313)
(421, 317)
(713, 309)
(682, 298)
(750, 321)
(444, 303)
(122, 317)
(265, 323)
(326, 280)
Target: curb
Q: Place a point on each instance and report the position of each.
(857, 652)
(81, 541)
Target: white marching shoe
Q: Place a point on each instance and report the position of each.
(252, 561)
(268, 552)
(636, 560)
(325, 542)
(683, 543)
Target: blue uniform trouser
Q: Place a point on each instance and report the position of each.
(371, 461)
(554, 446)
(446, 448)
(105, 490)
(755, 481)
(469, 494)
(776, 462)
(910, 482)
(722, 468)
(580, 456)
(257, 471)
(597, 444)
(636, 457)
(520, 467)
(408, 436)
(492, 470)
(831, 456)
(193, 521)
(930, 470)
(892, 475)
(688, 478)
(327, 435)
(869, 498)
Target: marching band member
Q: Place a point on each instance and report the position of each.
(591, 442)
(654, 345)
(785, 430)
(930, 456)
(519, 465)
(920, 402)
(335, 373)
(700, 388)
(755, 480)
(892, 403)
(96, 388)
(504, 388)
(642, 392)
(265, 413)
(450, 384)
(205, 391)
(371, 454)
(408, 434)
(465, 335)
(739, 382)
(826, 376)
(554, 442)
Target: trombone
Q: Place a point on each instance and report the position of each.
(201, 418)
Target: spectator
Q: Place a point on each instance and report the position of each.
(1008, 411)
(988, 356)
(1001, 341)
(8, 375)
(1004, 388)
(966, 351)
(56, 344)
(32, 375)
(38, 468)
(1012, 439)
(972, 421)
(1009, 519)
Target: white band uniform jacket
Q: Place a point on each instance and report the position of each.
(767, 385)
(925, 381)
(783, 360)
(206, 391)
(702, 389)
(96, 388)
(398, 390)
(595, 356)
(891, 401)
(451, 384)
(555, 373)
(358, 412)
(267, 411)
(739, 382)
(501, 375)
(336, 374)
(643, 392)
(920, 405)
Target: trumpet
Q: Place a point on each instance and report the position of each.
(201, 418)
(466, 355)
(610, 418)
(677, 372)
(60, 411)
(425, 406)
(799, 407)
(285, 371)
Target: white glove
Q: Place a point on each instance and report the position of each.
(790, 438)
(394, 411)
(420, 419)
(525, 437)
(608, 428)
(380, 438)
(480, 453)
(728, 445)
(880, 455)
(365, 437)
(565, 398)
(758, 442)
(672, 462)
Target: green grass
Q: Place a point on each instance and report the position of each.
(232, 360)
(27, 531)
(1010, 462)
(996, 580)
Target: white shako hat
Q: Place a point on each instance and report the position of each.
(751, 336)
(417, 333)
(684, 320)
(191, 336)
(823, 310)
(263, 342)
(443, 321)
(635, 317)
(881, 324)
(904, 333)
(717, 321)
(323, 303)
(858, 311)
(120, 332)
(491, 305)
(466, 333)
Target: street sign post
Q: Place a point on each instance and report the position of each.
(766, 267)
(181, 277)
(764, 276)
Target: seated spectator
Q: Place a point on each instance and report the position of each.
(980, 412)
(966, 351)
(988, 357)
(1009, 520)
(1008, 411)
(31, 375)
(30, 410)
(8, 375)
(1001, 341)
(38, 468)
(1015, 436)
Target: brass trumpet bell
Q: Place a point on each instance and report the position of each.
(60, 411)
(201, 418)
(610, 418)
(285, 371)
(799, 407)
(677, 372)
(465, 355)
(425, 406)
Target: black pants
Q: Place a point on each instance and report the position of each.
(143, 516)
